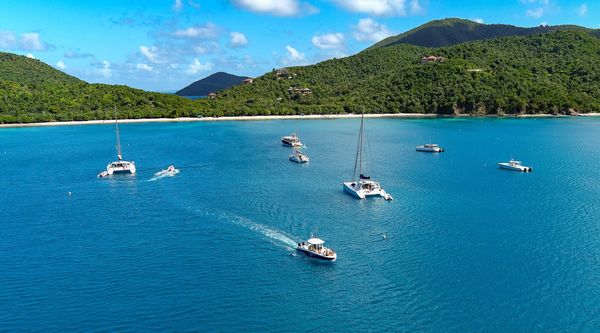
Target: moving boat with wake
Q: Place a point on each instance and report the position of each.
(168, 172)
(120, 166)
(363, 186)
(314, 248)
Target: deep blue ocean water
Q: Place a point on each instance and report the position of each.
(470, 248)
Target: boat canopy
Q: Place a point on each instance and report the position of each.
(315, 241)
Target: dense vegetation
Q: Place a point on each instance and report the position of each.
(31, 91)
(543, 73)
(211, 84)
(455, 31)
(552, 72)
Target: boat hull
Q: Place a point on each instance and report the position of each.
(297, 159)
(288, 144)
(349, 187)
(316, 255)
(430, 150)
(520, 168)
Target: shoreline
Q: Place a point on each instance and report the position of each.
(286, 117)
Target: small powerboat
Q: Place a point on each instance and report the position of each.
(514, 166)
(430, 148)
(291, 141)
(103, 174)
(168, 172)
(299, 157)
(314, 248)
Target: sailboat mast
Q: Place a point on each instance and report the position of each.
(119, 156)
(358, 159)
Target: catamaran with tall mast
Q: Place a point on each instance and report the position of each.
(119, 166)
(363, 186)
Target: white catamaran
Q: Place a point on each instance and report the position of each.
(363, 186)
(119, 166)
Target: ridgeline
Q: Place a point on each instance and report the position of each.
(473, 71)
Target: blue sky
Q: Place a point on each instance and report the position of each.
(163, 45)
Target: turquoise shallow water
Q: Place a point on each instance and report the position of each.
(470, 247)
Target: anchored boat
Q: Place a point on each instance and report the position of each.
(430, 148)
(291, 141)
(299, 157)
(363, 186)
(119, 166)
(314, 248)
(514, 166)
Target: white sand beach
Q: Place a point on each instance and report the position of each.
(263, 118)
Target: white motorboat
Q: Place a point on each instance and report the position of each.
(168, 172)
(291, 141)
(363, 186)
(314, 248)
(120, 166)
(430, 148)
(514, 166)
(299, 157)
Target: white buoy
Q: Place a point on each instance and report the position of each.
(69, 193)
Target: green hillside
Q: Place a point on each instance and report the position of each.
(31, 91)
(542, 73)
(454, 31)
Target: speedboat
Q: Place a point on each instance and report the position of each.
(514, 166)
(103, 174)
(430, 148)
(291, 141)
(314, 248)
(299, 157)
(365, 187)
(168, 172)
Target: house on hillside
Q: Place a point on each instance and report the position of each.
(295, 91)
(431, 58)
(212, 95)
(284, 73)
(248, 81)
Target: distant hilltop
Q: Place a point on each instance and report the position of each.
(212, 84)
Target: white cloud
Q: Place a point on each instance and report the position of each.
(196, 66)
(144, 67)
(535, 13)
(238, 39)
(30, 56)
(294, 54)
(276, 7)
(31, 42)
(415, 7)
(178, 5)
(7, 39)
(541, 2)
(61, 64)
(105, 69)
(150, 53)
(368, 30)
(207, 31)
(380, 7)
(333, 41)
(582, 10)
(479, 20)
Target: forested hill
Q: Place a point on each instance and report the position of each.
(31, 91)
(543, 73)
(454, 31)
(211, 84)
